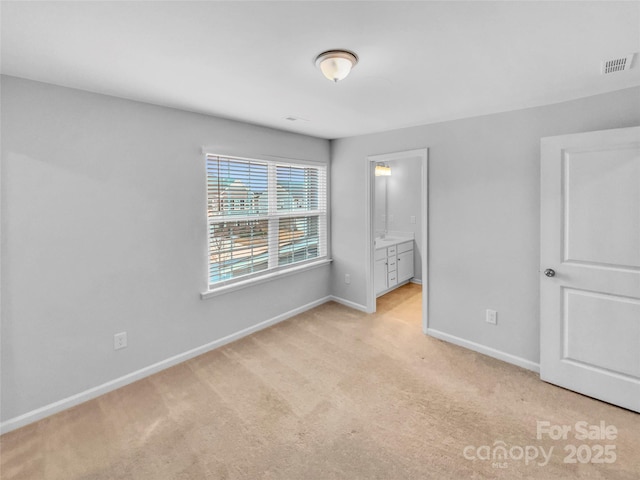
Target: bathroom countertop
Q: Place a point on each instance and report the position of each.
(390, 240)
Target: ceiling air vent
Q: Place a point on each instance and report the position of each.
(617, 64)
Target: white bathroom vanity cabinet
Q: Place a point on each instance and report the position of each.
(393, 264)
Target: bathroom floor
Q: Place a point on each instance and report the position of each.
(403, 304)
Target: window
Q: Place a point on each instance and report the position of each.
(263, 216)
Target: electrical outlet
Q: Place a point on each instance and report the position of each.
(412, 219)
(347, 279)
(120, 340)
(492, 317)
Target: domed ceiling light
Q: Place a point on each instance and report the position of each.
(336, 64)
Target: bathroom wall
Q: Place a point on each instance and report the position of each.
(380, 206)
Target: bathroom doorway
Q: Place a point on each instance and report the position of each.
(397, 224)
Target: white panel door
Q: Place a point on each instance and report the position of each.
(590, 264)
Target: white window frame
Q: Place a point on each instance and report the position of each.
(274, 271)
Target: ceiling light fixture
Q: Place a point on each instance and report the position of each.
(336, 64)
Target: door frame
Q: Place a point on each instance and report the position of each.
(371, 160)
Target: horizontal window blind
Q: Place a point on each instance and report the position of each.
(263, 216)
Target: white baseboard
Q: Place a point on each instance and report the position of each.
(73, 400)
(349, 303)
(491, 352)
(417, 281)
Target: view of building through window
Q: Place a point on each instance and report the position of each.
(263, 215)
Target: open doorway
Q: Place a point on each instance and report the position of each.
(395, 241)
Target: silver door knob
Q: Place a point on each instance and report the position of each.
(550, 272)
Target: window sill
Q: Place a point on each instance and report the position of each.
(262, 279)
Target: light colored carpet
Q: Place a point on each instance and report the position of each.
(330, 394)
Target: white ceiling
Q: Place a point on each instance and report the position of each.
(420, 62)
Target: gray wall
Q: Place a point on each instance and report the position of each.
(483, 213)
(103, 230)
